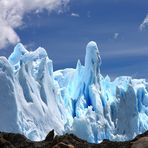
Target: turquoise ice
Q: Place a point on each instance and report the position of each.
(35, 99)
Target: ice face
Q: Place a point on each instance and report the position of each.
(8, 105)
(32, 93)
(15, 57)
(81, 101)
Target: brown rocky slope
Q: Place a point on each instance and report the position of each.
(10, 140)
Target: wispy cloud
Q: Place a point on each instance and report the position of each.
(75, 15)
(144, 23)
(12, 13)
(127, 52)
(116, 35)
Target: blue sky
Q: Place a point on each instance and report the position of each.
(114, 25)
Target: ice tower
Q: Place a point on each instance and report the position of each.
(92, 68)
(92, 64)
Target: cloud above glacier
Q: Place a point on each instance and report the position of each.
(144, 23)
(116, 35)
(12, 13)
(75, 14)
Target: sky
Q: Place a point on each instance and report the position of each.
(64, 27)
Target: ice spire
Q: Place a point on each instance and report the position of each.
(92, 65)
(92, 62)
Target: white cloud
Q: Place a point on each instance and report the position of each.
(116, 35)
(144, 23)
(8, 35)
(75, 15)
(13, 11)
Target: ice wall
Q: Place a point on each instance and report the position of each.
(34, 99)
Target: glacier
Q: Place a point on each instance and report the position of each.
(34, 99)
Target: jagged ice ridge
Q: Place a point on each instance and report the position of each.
(35, 100)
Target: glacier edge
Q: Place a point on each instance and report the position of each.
(35, 99)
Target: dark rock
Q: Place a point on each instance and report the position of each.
(50, 136)
(11, 140)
